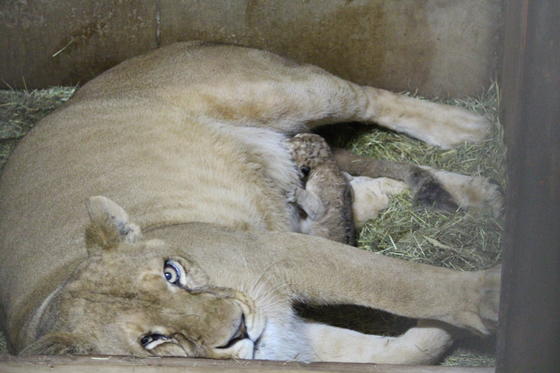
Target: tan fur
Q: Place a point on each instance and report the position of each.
(471, 191)
(190, 141)
(371, 196)
(327, 197)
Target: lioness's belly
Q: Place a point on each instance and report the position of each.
(155, 160)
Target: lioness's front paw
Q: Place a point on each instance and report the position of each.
(480, 302)
(490, 297)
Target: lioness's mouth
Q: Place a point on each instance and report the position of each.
(239, 335)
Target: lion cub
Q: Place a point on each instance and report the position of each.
(326, 197)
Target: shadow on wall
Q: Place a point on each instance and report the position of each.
(438, 47)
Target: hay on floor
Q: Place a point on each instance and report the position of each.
(465, 240)
(20, 110)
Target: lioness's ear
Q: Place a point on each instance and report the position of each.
(109, 224)
(59, 344)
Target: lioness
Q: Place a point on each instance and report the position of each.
(189, 141)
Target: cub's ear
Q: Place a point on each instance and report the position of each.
(59, 344)
(109, 224)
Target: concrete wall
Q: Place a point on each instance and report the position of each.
(439, 47)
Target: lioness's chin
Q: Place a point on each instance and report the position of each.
(285, 339)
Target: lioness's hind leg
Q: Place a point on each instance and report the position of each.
(423, 344)
(371, 196)
(436, 124)
(438, 188)
(471, 191)
(427, 189)
(259, 88)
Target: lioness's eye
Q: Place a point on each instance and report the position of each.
(174, 273)
(149, 341)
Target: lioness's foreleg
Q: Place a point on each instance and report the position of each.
(341, 274)
(423, 344)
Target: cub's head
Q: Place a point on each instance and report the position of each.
(309, 151)
(142, 297)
